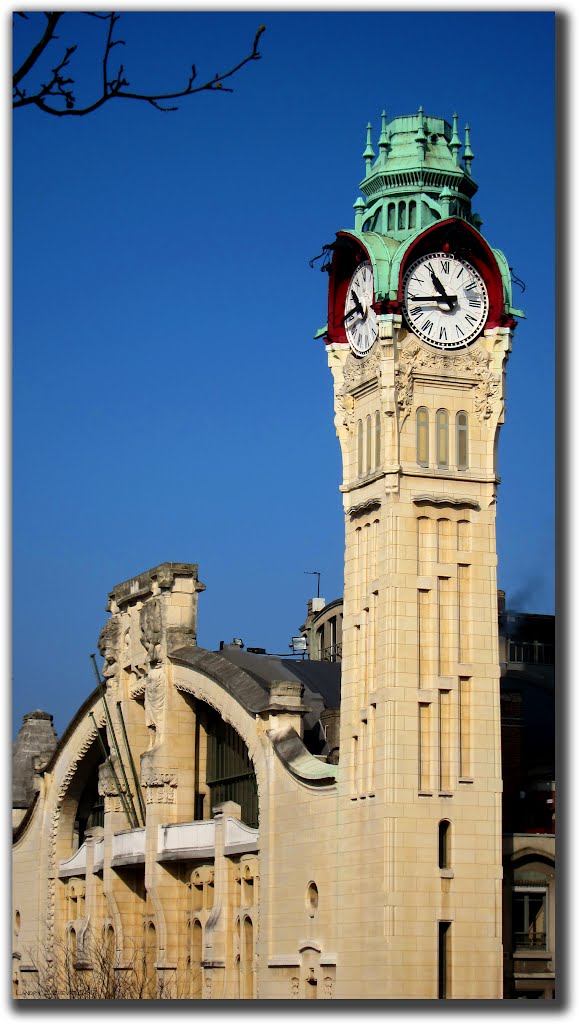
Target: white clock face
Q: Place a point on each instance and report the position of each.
(445, 300)
(359, 318)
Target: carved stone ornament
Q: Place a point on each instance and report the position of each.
(486, 394)
(356, 371)
(152, 633)
(295, 988)
(328, 987)
(159, 785)
(416, 358)
(108, 645)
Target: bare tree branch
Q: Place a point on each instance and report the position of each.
(36, 51)
(115, 87)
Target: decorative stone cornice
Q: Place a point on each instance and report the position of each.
(365, 506)
(442, 500)
(162, 577)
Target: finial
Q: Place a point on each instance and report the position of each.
(383, 140)
(368, 153)
(359, 208)
(455, 142)
(420, 137)
(468, 154)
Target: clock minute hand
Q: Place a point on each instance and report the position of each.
(356, 309)
(440, 288)
(433, 298)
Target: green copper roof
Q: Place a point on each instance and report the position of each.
(417, 178)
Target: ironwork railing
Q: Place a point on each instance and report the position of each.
(530, 940)
(332, 653)
(532, 652)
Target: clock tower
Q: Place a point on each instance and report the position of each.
(420, 324)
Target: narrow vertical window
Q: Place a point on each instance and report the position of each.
(368, 443)
(424, 746)
(412, 214)
(461, 440)
(377, 439)
(360, 447)
(464, 699)
(443, 844)
(401, 216)
(391, 222)
(442, 439)
(422, 436)
(443, 959)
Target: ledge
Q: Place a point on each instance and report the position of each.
(298, 761)
(443, 500)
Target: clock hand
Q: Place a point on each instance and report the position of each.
(440, 288)
(356, 309)
(433, 298)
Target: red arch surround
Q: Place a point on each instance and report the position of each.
(459, 238)
(348, 252)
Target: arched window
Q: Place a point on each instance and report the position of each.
(412, 214)
(444, 844)
(422, 436)
(391, 221)
(442, 439)
(377, 432)
(401, 216)
(461, 440)
(368, 443)
(360, 447)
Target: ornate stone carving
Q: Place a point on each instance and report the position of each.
(416, 358)
(152, 632)
(295, 988)
(486, 394)
(108, 645)
(159, 785)
(328, 988)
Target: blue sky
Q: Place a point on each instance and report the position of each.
(169, 401)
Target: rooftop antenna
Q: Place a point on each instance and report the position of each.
(309, 572)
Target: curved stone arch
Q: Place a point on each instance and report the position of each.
(59, 801)
(159, 924)
(187, 680)
(529, 854)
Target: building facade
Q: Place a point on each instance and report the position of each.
(193, 815)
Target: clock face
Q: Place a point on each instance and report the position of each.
(359, 318)
(445, 300)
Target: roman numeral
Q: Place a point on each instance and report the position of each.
(442, 334)
(416, 311)
(459, 273)
(475, 302)
(427, 326)
(445, 264)
(430, 268)
(469, 287)
(470, 319)
(459, 332)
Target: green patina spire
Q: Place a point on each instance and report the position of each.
(368, 153)
(360, 208)
(468, 153)
(417, 179)
(455, 142)
(383, 140)
(420, 137)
